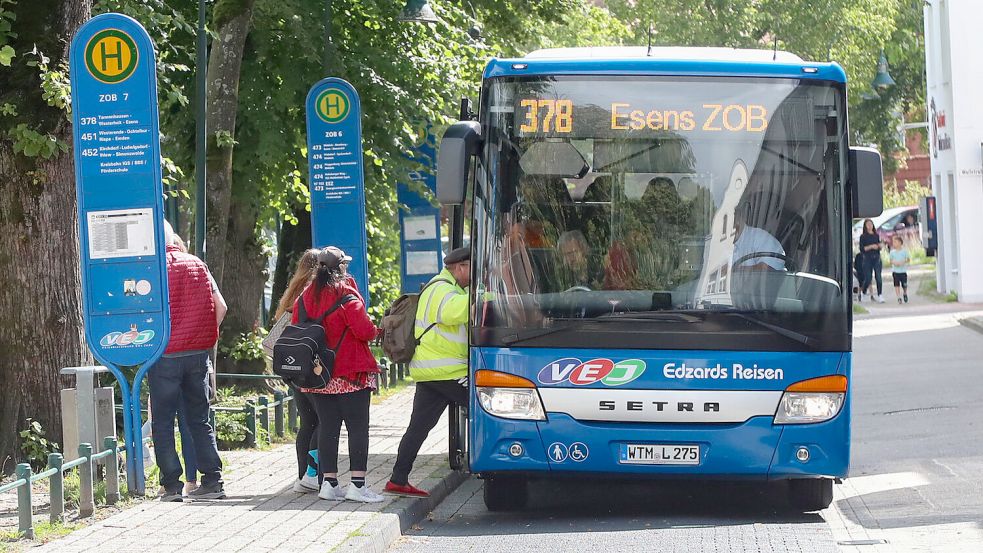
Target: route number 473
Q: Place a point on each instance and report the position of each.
(113, 97)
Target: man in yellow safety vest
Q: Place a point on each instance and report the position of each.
(440, 362)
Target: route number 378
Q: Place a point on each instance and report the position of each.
(543, 116)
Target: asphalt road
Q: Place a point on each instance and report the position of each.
(915, 480)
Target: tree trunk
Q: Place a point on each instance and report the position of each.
(244, 284)
(294, 240)
(232, 20)
(40, 300)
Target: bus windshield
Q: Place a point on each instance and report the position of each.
(662, 213)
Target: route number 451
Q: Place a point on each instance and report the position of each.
(113, 97)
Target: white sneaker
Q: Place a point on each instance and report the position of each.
(331, 493)
(307, 484)
(880, 299)
(363, 494)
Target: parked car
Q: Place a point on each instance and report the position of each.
(896, 220)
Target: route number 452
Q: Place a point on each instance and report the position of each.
(113, 97)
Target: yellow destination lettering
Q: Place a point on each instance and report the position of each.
(615, 115)
(707, 125)
(637, 120)
(686, 121)
(654, 120)
(670, 120)
(564, 116)
(757, 118)
(532, 116)
(741, 121)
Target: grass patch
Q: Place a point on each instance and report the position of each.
(859, 309)
(11, 542)
(927, 288)
(386, 393)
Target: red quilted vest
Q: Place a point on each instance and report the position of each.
(193, 325)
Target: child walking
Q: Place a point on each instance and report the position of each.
(899, 267)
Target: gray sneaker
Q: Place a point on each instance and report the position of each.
(170, 496)
(211, 491)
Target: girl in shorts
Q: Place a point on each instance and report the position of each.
(899, 267)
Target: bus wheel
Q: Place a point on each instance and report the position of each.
(811, 494)
(506, 493)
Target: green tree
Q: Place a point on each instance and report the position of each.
(40, 300)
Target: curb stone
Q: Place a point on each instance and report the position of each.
(385, 528)
(973, 323)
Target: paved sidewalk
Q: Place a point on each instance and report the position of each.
(263, 514)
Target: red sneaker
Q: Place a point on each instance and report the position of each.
(405, 490)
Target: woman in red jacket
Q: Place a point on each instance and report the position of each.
(346, 397)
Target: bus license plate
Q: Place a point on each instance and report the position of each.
(660, 454)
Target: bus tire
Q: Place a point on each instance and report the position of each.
(812, 494)
(503, 493)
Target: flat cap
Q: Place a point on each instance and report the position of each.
(332, 257)
(458, 255)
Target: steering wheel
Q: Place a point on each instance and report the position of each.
(578, 289)
(790, 265)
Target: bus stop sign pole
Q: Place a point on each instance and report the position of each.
(120, 209)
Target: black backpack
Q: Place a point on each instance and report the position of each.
(301, 346)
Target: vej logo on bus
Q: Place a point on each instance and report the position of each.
(132, 337)
(582, 373)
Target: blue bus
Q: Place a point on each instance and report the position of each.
(661, 257)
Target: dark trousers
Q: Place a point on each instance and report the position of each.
(332, 410)
(182, 383)
(307, 433)
(187, 447)
(428, 404)
(872, 272)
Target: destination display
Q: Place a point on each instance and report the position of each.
(629, 108)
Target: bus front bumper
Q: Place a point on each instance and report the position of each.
(755, 449)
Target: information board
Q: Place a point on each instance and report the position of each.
(336, 173)
(120, 207)
(420, 244)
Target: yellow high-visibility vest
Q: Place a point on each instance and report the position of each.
(443, 350)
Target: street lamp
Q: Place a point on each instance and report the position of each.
(882, 80)
(200, 131)
(418, 11)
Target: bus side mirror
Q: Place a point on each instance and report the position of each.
(866, 182)
(461, 141)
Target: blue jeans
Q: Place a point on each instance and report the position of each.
(187, 447)
(182, 383)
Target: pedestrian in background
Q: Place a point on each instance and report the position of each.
(307, 474)
(870, 247)
(180, 378)
(346, 397)
(900, 258)
(439, 365)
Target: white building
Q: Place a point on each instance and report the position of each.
(954, 66)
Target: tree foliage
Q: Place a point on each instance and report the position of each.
(850, 32)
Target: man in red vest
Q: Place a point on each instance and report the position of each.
(181, 377)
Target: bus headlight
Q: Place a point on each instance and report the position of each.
(802, 408)
(813, 400)
(508, 396)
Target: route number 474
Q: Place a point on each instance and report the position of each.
(113, 97)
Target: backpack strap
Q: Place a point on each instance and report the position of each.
(420, 337)
(337, 305)
(301, 310)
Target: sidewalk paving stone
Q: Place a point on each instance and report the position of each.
(262, 512)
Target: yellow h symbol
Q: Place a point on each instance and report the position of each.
(117, 55)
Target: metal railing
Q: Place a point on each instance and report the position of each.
(56, 488)
(257, 411)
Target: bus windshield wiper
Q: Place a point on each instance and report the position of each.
(781, 331)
